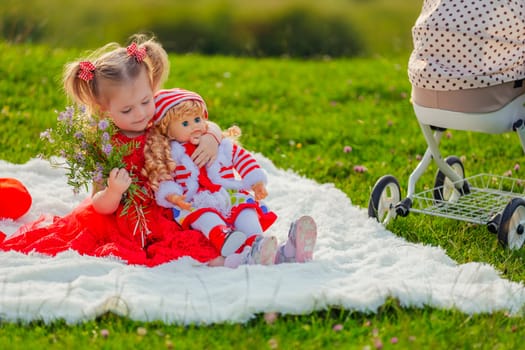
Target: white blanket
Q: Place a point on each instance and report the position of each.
(357, 265)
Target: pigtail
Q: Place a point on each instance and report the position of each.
(79, 81)
(156, 59)
(233, 133)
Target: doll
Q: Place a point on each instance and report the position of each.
(222, 199)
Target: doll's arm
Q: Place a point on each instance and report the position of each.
(259, 191)
(107, 200)
(179, 200)
(208, 147)
(170, 194)
(252, 175)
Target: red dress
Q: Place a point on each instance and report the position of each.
(90, 233)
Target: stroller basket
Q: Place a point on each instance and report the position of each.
(497, 201)
(488, 196)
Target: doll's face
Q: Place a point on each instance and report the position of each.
(188, 128)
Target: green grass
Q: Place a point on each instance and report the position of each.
(301, 115)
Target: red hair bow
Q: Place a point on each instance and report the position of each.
(134, 51)
(86, 71)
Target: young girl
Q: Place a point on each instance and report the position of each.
(119, 82)
(216, 200)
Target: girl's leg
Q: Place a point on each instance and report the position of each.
(263, 249)
(235, 260)
(301, 242)
(262, 252)
(218, 261)
(220, 235)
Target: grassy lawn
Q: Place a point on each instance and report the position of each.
(302, 115)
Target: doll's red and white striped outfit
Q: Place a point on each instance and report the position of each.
(221, 188)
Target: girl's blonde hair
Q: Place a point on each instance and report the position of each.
(159, 165)
(113, 63)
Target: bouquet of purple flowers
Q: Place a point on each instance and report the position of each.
(85, 149)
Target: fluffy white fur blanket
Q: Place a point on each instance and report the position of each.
(357, 265)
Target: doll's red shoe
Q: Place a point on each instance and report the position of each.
(226, 240)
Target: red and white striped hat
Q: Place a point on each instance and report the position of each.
(166, 99)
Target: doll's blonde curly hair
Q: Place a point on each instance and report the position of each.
(159, 165)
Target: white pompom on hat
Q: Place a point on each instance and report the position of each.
(169, 98)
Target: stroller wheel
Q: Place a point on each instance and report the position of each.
(385, 195)
(511, 231)
(444, 189)
(494, 223)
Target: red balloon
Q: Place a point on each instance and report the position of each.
(15, 199)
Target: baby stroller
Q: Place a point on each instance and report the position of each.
(495, 201)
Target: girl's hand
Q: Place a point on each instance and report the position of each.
(206, 151)
(119, 181)
(259, 191)
(106, 200)
(179, 200)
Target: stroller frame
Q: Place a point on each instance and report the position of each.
(496, 201)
